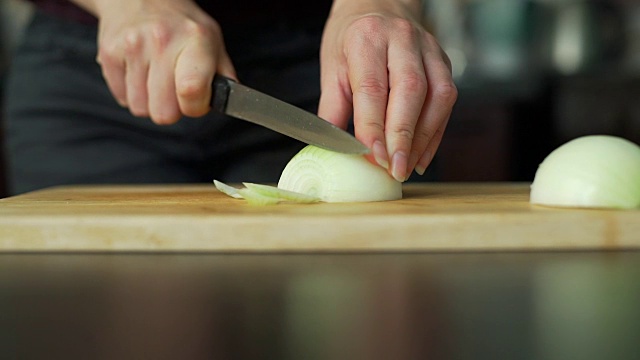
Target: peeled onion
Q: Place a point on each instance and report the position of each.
(336, 177)
(316, 174)
(597, 171)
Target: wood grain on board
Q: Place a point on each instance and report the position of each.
(430, 217)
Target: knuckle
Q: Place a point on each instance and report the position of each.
(132, 41)
(404, 27)
(427, 134)
(404, 132)
(430, 40)
(191, 88)
(446, 93)
(107, 53)
(200, 30)
(373, 126)
(424, 135)
(373, 87)
(414, 83)
(161, 34)
(194, 28)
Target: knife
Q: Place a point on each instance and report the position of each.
(239, 101)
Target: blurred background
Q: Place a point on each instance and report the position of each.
(14, 14)
(531, 75)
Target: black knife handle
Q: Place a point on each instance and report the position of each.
(220, 92)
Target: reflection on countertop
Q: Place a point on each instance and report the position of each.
(333, 306)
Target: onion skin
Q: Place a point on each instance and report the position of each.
(336, 177)
(597, 171)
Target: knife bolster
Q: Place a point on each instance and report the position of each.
(220, 93)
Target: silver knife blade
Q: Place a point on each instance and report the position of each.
(243, 102)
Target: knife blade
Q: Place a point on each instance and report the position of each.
(242, 102)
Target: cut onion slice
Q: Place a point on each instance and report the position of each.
(226, 189)
(282, 194)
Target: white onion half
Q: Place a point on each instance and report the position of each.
(597, 171)
(336, 177)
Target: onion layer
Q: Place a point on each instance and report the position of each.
(258, 194)
(597, 171)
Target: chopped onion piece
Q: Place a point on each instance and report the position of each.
(336, 177)
(282, 194)
(226, 189)
(258, 194)
(256, 198)
(597, 171)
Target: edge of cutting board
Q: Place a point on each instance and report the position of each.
(196, 218)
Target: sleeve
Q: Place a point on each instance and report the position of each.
(65, 9)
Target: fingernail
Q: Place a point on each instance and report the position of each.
(380, 154)
(399, 166)
(421, 167)
(413, 159)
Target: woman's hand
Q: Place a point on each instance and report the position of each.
(159, 57)
(379, 64)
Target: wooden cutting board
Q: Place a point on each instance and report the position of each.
(430, 217)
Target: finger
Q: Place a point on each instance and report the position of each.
(194, 73)
(432, 148)
(367, 72)
(137, 69)
(113, 72)
(163, 103)
(408, 83)
(336, 101)
(440, 100)
(163, 52)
